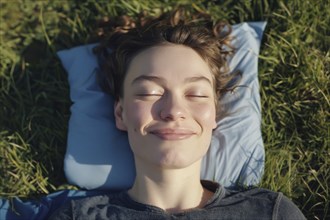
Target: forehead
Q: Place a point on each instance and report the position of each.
(172, 62)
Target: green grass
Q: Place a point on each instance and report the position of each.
(293, 72)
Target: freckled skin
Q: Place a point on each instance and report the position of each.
(169, 112)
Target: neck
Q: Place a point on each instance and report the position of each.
(172, 190)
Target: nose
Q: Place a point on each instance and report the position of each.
(172, 108)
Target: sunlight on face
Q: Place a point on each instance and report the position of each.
(168, 106)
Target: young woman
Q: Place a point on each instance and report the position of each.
(166, 78)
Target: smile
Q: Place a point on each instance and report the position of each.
(172, 134)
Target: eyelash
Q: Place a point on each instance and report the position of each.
(159, 95)
(197, 96)
(149, 95)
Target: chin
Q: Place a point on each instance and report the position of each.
(175, 160)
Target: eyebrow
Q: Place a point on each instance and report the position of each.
(198, 78)
(156, 79)
(160, 80)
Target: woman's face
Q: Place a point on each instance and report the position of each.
(168, 106)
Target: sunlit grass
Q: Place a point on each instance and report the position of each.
(294, 86)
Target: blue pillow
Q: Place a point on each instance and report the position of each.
(98, 154)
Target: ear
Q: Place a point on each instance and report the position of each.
(120, 124)
(215, 125)
(216, 118)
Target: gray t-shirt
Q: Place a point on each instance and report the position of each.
(225, 204)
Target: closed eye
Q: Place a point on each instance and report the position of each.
(198, 96)
(148, 95)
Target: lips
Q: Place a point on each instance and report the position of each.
(172, 134)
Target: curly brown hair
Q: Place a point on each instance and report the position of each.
(127, 38)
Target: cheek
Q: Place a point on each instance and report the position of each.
(136, 114)
(206, 115)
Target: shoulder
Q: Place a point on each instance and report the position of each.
(285, 209)
(259, 202)
(63, 213)
(76, 207)
(255, 194)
